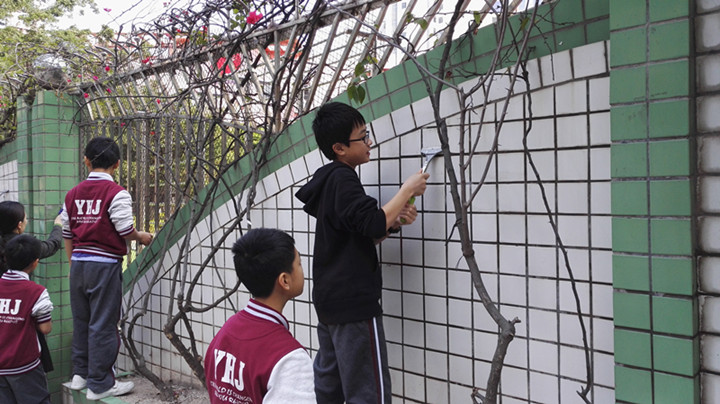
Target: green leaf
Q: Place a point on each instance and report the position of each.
(360, 94)
(352, 91)
(422, 22)
(523, 23)
(359, 69)
(477, 16)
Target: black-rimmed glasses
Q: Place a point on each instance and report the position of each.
(365, 139)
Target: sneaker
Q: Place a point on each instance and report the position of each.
(78, 383)
(118, 389)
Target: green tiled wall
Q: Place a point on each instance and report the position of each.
(47, 153)
(655, 302)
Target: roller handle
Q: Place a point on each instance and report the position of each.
(412, 199)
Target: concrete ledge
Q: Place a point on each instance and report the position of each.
(79, 397)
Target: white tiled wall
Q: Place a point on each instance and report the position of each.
(9, 181)
(708, 126)
(440, 338)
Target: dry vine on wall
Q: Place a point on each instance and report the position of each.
(463, 192)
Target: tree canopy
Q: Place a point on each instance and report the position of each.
(28, 30)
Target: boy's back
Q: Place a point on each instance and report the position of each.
(251, 347)
(254, 358)
(99, 212)
(18, 337)
(25, 310)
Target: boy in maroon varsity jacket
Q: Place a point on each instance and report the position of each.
(254, 358)
(351, 363)
(97, 223)
(25, 308)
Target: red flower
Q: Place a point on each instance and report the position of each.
(86, 95)
(94, 77)
(146, 60)
(107, 10)
(69, 81)
(122, 123)
(253, 17)
(108, 90)
(158, 101)
(236, 61)
(152, 132)
(107, 68)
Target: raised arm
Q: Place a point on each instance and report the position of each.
(50, 246)
(414, 186)
(66, 234)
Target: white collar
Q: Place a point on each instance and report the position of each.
(100, 176)
(260, 310)
(14, 275)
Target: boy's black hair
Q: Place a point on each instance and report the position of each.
(102, 152)
(334, 123)
(260, 256)
(22, 251)
(11, 213)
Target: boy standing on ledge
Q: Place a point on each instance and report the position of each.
(97, 223)
(351, 364)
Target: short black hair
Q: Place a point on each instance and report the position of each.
(260, 256)
(22, 251)
(334, 123)
(102, 152)
(11, 213)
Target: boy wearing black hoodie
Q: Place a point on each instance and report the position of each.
(351, 363)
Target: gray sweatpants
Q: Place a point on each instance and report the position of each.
(351, 365)
(29, 387)
(96, 302)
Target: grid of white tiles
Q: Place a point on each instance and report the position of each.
(439, 337)
(9, 181)
(708, 125)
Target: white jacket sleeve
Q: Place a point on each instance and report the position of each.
(65, 222)
(121, 213)
(43, 307)
(291, 380)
